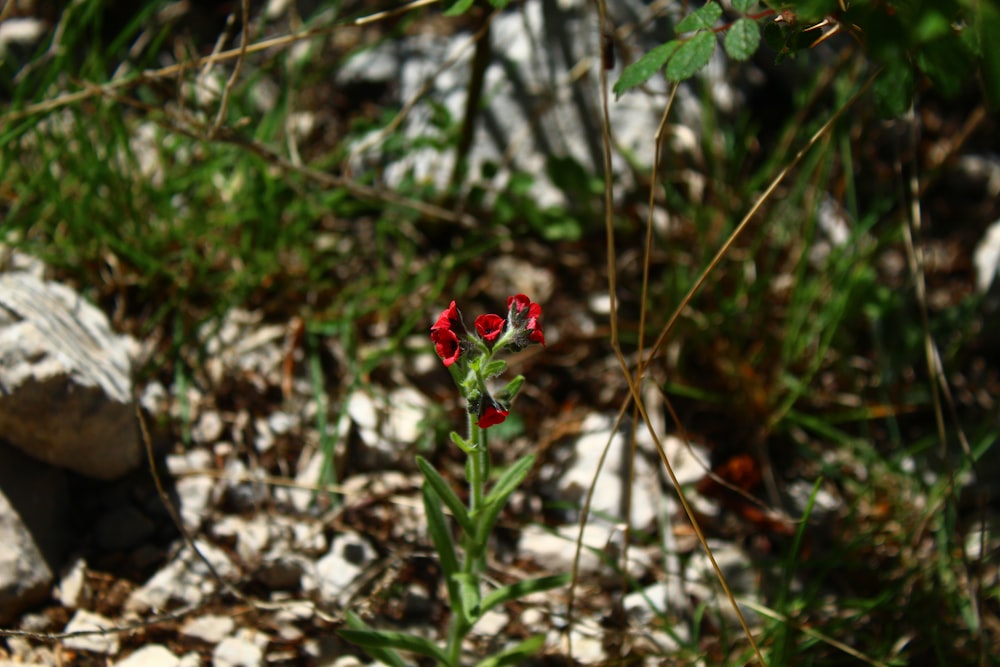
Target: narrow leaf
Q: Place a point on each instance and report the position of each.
(385, 655)
(703, 18)
(447, 496)
(458, 7)
(639, 72)
(497, 498)
(742, 39)
(691, 56)
(440, 535)
(986, 24)
(522, 588)
(461, 442)
(894, 88)
(511, 478)
(515, 654)
(379, 639)
(468, 588)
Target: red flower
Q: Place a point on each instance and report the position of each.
(446, 345)
(490, 327)
(491, 413)
(445, 332)
(523, 315)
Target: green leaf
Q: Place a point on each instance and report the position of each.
(458, 7)
(742, 39)
(510, 478)
(462, 443)
(639, 72)
(381, 639)
(703, 18)
(522, 588)
(691, 56)
(947, 63)
(495, 368)
(986, 27)
(386, 655)
(930, 26)
(743, 6)
(447, 496)
(893, 90)
(468, 589)
(497, 497)
(515, 654)
(440, 534)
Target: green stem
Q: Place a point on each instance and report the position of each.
(473, 551)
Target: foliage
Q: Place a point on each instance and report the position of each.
(945, 41)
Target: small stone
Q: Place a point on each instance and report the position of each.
(211, 628)
(284, 571)
(236, 652)
(347, 559)
(193, 495)
(208, 429)
(150, 656)
(185, 579)
(84, 620)
(71, 585)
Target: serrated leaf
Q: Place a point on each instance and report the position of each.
(743, 6)
(703, 18)
(691, 56)
(742, 39)
(639, 72)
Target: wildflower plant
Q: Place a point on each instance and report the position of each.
(470, 355)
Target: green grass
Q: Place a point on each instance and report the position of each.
(815, 366)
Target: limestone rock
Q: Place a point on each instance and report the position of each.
(25, 578)
(65, 388)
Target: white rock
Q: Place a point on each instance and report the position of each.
(555, 549)
(25, 579)
(84, 620)
(987, 258)
(185, 579)
(237, 652)
(576, 475)
(150, 656)
(347, 559)
(66, 378)
(210, 628)
(71, 584)
(20, 30)
(193, 495)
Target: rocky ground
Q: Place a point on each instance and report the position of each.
(255, 504)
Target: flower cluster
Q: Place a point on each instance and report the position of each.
(469, 354)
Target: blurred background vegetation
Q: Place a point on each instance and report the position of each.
(841, 338)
